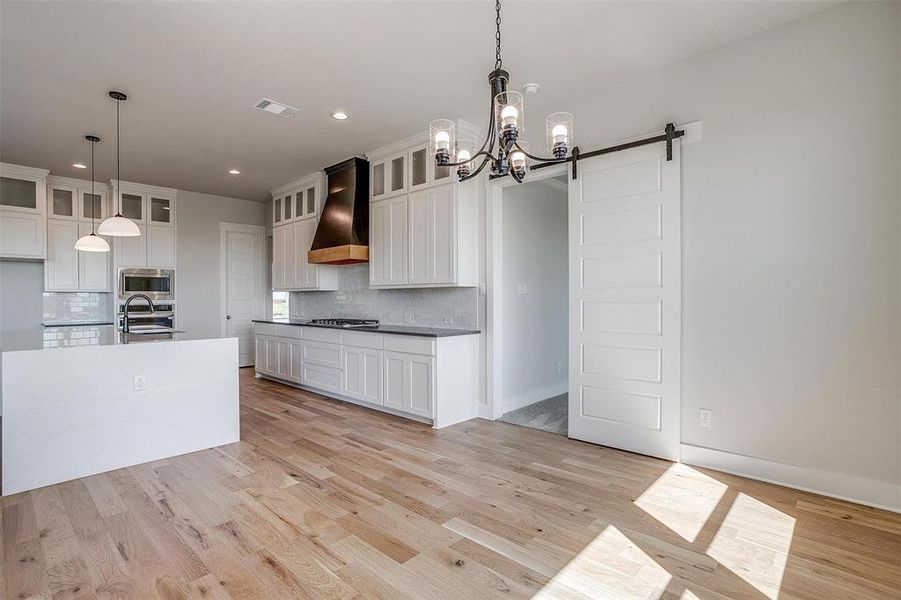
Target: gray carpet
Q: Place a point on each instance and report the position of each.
(547, 415)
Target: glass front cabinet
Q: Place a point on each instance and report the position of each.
(420, 218)
(153, 209)
(71, 208)
(295, 214)
(23, 215)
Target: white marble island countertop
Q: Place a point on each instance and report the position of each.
(79, 336)
(87, 399)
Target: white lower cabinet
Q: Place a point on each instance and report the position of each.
(362, 374)
(409, 380)
(427, 378)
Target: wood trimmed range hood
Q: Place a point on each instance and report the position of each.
(342, 236)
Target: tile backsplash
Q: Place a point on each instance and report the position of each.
(76, 307)
(431, 307)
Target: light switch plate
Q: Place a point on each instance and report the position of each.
(705, 417)
(522, 289)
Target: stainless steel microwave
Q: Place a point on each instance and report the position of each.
(159, 284)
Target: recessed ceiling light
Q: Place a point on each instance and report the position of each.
(234, 171)
(79, 165)
(340, 116)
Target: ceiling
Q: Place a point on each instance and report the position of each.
(194, 70)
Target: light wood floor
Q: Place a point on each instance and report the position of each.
(326, 500)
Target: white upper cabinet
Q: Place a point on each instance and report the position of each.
(388, 242)
(70, 206)
(424, 232)
(153, 209)
(295, 212)
(23, 193)
(61, 268)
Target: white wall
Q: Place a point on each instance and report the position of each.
(536, 323)
(791, 259)
(198, 297)
(21, 290)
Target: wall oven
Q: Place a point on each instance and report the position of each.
(159, 284)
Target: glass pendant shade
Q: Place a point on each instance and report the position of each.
(464, 155)
(518, 159)
(92, 243)
(508, 112)
(559, 128)
(442, 136)
(119, 226)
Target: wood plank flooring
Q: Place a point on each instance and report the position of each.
(323, 499)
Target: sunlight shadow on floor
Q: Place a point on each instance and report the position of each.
(682, 499)
(611, 566)
(754, 542)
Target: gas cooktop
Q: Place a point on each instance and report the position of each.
(346, 322)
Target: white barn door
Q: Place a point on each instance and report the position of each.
(625, 301)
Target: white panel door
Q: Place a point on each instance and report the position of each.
(388, 241)
(62, 257)
(352, 360)
(132, 251)
(443, 229)
(242, 282)
(625, 301)
(306, 275)
(93, 267)
(371, 376)
(160, 246)
(420, 233)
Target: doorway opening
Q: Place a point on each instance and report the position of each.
(535, 280)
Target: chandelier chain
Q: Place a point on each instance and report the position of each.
(497, 35)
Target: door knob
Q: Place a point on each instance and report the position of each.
(229, 317)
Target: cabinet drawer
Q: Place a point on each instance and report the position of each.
(289, 331)
(322, 378)
(322, 354)
(320, 334)
(265, 329)
(410, 344)
(362, 340)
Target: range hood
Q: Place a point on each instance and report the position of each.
(342, 236)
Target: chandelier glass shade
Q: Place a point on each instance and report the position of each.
(503, 150)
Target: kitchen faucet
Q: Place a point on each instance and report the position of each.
(128, 303)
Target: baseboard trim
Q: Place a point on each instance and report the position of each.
(533, 396)
(877, 494)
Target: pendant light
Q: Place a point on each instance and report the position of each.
(92, 242)
(117, 225)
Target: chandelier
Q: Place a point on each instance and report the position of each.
(505, 127)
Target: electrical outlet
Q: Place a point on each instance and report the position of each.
(705, 417)
(141, 382)
(448, 320)
(408, 318)
(522, 289)
(483, 289)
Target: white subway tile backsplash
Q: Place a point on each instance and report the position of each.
(76, 307)
(431, 307)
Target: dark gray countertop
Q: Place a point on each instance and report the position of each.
(435, 332)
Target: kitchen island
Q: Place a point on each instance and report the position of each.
(83, 400)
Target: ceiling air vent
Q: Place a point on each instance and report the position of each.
(276, 108)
